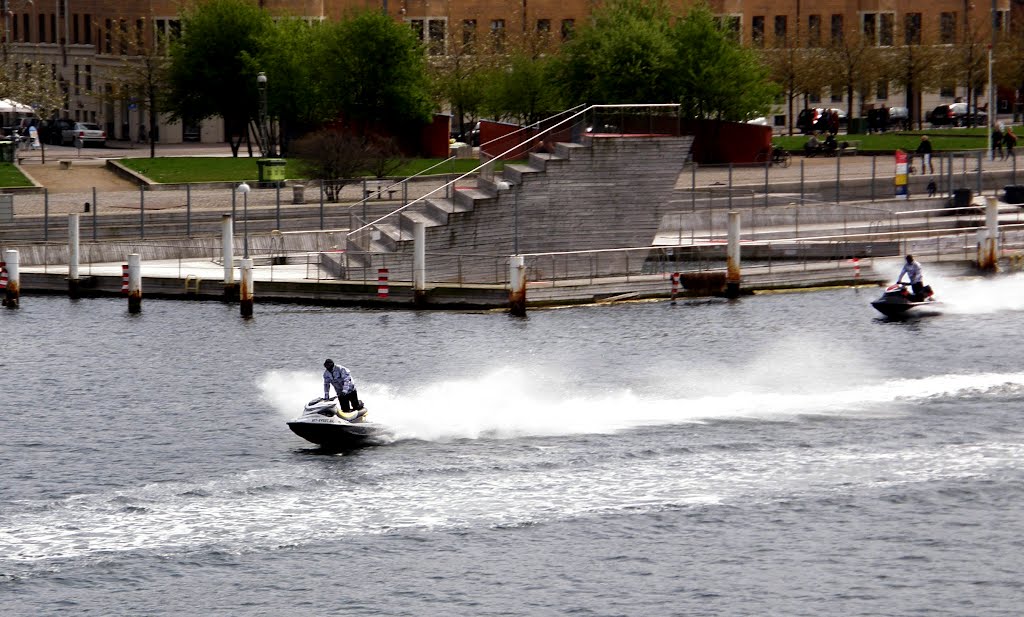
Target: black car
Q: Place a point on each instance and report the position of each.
(957, 114)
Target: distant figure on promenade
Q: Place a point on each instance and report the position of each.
(1010, 140)
(925, 150)
(997, 143)
(813, 145)
(33, 137)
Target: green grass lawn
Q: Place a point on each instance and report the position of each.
(170, 170)
(943, 140)
(11, 176)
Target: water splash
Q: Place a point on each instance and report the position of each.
(510, 403)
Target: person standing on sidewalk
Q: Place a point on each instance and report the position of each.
(1010, 140)
(925, 150)
(997, 143)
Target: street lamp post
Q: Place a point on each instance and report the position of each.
(261, 87)
(244, 189)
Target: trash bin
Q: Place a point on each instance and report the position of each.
(298, 193)
(856, 126)
(962, 198)
(271, 170)
(7, 149)
(1014, 193)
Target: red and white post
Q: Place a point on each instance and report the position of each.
(382, 283)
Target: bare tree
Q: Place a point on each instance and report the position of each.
(333, 157)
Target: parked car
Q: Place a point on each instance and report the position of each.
(53, 131)
(899, 118)
(957, 114)
(85, 132)
(808, 120)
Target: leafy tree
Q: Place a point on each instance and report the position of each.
(459, 79)
(332, 156)
(633, 53)
(624, 56)
(295, 92)
(969, 62)
(212, 65)
(520, 87)
(375, 72)
(714, 76)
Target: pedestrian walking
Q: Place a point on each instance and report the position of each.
(997, 143)
(1010, 140)
(925, 150)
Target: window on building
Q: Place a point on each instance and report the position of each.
(436, 29)
(1001, 21)
(88, 78)
(42, 28)
(947, 91)
(837, 29)
(14, 29)
(543, 26)
(107, 34)
(947, 28)
(814, 98)
(468, 35)
(837, 94)
(77, 89)
(912, 29)
(757, 31)
(886, 29)
(498, 35)
(140, 34)
(568, 27)
(53, 27)
(417, 28)
(814, 30)
(882, 90)
(869, 28)
(74, 29)
(87, 28)
(26, 32)
(780, 30)
(122, 38)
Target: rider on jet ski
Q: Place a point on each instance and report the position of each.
(341, 379)
(913, 271)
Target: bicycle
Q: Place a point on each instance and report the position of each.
(778, 156)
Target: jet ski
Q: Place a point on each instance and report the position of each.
(899, 298)
(324, 423)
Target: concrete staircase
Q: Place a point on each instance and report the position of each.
(608, 192)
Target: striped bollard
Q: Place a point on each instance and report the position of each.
(856, 270)
(382, 283)
(675, 286)
(3, 275)
(124, 279)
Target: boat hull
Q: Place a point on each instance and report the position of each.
(336, 433)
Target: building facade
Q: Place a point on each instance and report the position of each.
(84, 40)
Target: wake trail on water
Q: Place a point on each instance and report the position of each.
(974, 296)
(510, 403)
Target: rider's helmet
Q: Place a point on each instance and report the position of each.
(328, 364)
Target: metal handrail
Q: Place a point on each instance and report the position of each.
(501, 156)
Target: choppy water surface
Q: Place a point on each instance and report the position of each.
(781, 455)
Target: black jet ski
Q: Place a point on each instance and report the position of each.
(324, 423)
(899, 298)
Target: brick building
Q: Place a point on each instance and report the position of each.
(78, 38)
